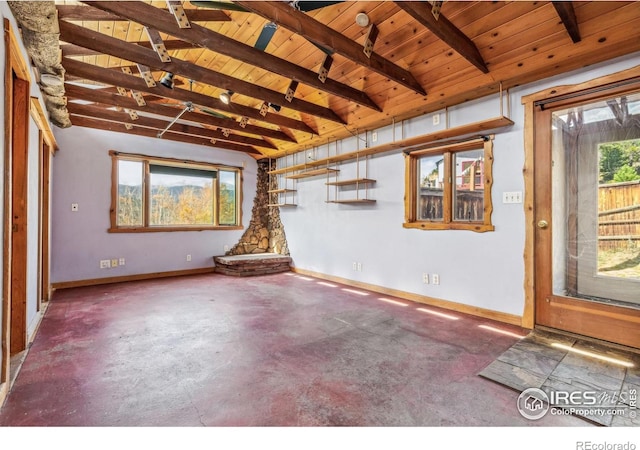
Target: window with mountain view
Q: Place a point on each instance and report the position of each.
(166, 195)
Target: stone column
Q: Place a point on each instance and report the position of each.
(265, 233)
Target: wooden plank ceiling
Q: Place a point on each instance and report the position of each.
(413, 58)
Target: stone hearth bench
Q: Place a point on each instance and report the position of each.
(252, 264)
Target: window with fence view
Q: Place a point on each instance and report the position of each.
(619, 209)
(450, 187)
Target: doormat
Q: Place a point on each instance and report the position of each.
(557, 374)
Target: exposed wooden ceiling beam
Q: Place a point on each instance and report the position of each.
(568, 16)
(79, 12)
(98, 124)
(108, 98)
(298, 22)
(172, 44)
(90, 72)
(159, 124)
(445, 31)
(84, 37)
(164, 22)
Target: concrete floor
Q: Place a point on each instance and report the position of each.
(277, 350)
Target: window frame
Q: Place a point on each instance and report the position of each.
(147, 161)
(412, 158)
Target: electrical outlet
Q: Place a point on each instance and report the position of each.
(121, 262)
(425, 278)
(435, 278)
(226, 248)
(74, 207)
(114, 262)
(436, 119)
(374, 136)
(354, 265)
(188, 257)
(105, 263)
(359, 267)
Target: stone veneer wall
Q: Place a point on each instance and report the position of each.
(265, 233)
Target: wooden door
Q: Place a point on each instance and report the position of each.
(587, 253)
(19, 194)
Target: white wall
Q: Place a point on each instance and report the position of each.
(33, 229)
(485, 270)
(82, 174)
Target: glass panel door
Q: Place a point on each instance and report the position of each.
(596, 201)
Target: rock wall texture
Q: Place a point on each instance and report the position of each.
(38, 21)
(265, 233)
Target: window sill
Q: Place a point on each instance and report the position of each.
(477, 227)
(171, 229)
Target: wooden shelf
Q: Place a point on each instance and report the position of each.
(350, 182)
(312, 173)
(281, 204)
(476, 127)
(353, 201)
(281, 191)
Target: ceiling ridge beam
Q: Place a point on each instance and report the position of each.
(159, 124)
(154, 17)
(84, 37)
(98, 124)
(298, 22)
(445, 31)
(108, 98)
(80, 12)
(114, 78)
(567, 14)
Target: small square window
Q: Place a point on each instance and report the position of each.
(449, 187)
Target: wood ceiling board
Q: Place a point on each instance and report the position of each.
(521, 29)
(312, 30)
(446, 31)
(500, 20)
(593, 18)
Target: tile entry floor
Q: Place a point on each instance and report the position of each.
(277, 350)
(534, 362)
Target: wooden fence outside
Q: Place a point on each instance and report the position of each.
(619, 216)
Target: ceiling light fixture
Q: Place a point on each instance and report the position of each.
(362, 19)
(225, 97)
(167, 80)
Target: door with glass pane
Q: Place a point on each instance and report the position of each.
(588, 218)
